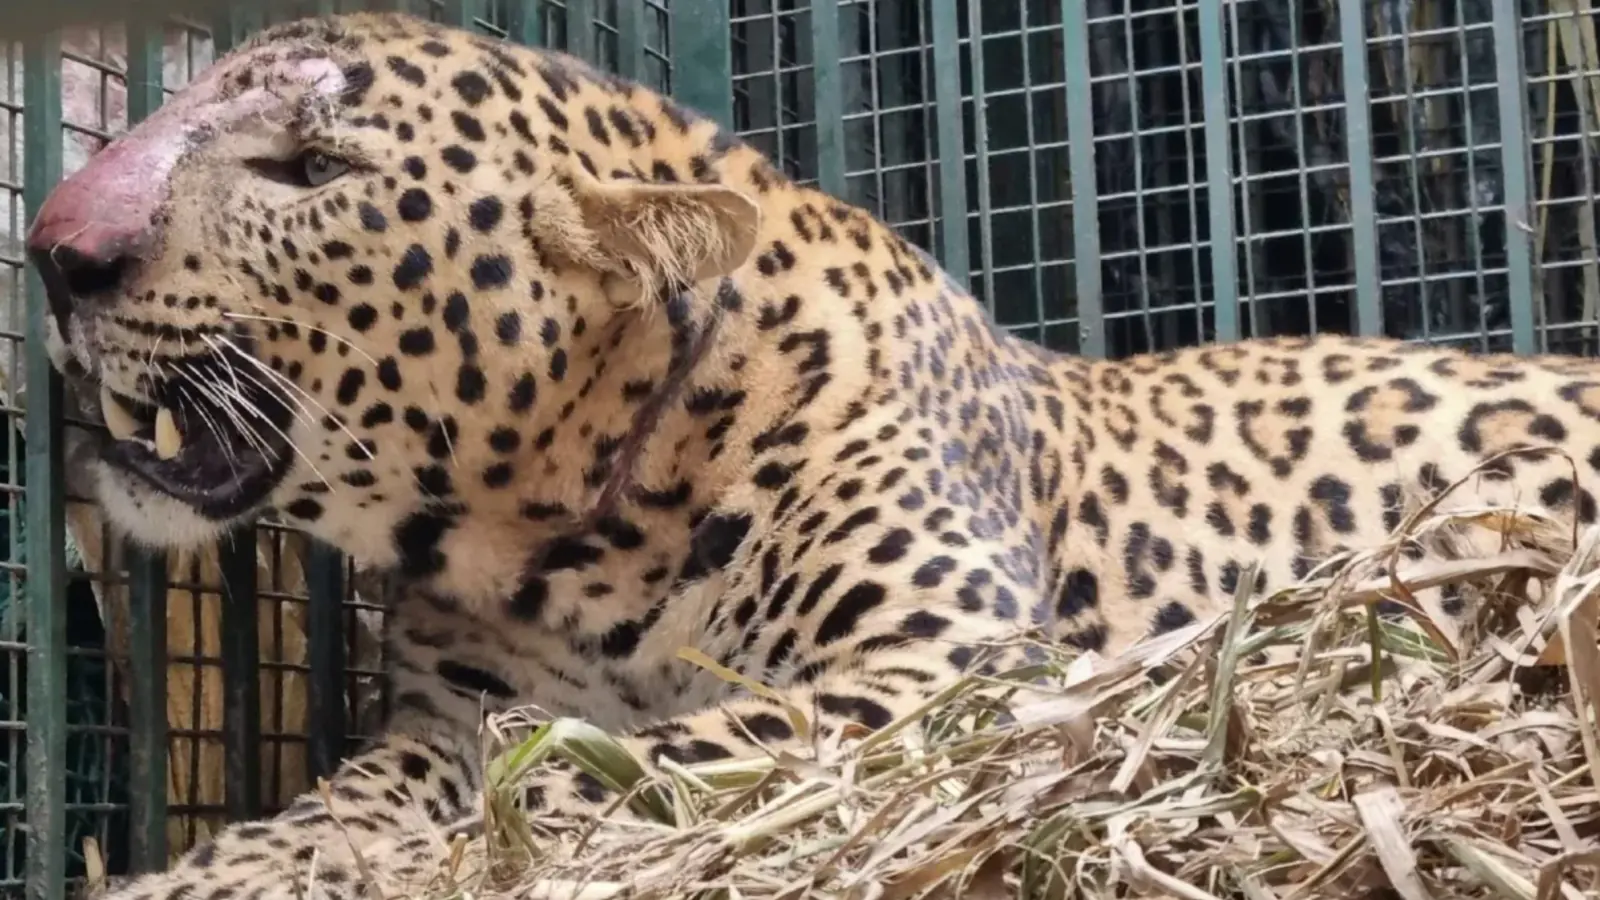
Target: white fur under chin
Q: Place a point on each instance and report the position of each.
(150, 519)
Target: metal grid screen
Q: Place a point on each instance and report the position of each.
(1109, 176)
(1208, 157)
(221, 685)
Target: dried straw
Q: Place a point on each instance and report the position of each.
(1410, 759)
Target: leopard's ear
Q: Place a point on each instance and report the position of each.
(648, 235)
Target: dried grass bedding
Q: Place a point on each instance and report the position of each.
(1461, 765)
(1415, 758)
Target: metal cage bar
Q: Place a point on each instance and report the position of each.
(147, 572)
(1219, 169)
(952, 211)
(46, 519)
(702, 57)
(1516, 164)
(1085, 193)
(1358, 144)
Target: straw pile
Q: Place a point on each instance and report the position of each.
(1400, 759)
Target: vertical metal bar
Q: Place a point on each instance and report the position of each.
(241, 650)
(1219, 170)
(241, 680)
(1030, 130)
(460, 13)
(226, 28)
(1358, 144)
(1414, 165)
(147, 570)
(147, 710)
(46, 521)
(980, 153)
(630, 39)
(702, 57)
(1190, 177)
(325, 714)
(1302, 175)
(1248, 201)
(828, 85)
(1085, 193)
(1135, 98)
(580, 29)
(525, 22)
(952, 153)
(1515, 162)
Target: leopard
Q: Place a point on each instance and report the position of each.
(594, 382)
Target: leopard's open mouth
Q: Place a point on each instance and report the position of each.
(211, 439)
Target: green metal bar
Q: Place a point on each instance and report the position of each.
(1511, 86)
(702, 57)
(147, 573)
(980, 154)
(234, 23)
(1137, 141)
(1085, 194)
(241, 668)
(241, 651)
(1219, 169)
(46, 520)
(525, 22)
(1249, 197)
(828, 85)
(147, 711)
(325, 714)
(460, 13)
(1302, 176)
(1358, 143)
(952, 152)
(630, 39)
(580, 29)
(1474, 204)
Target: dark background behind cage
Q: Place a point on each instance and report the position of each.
(1110, 176)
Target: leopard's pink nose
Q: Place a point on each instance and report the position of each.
(100, 221)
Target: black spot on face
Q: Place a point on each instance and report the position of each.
(415, 265)
(372, 218)
(350, 384)
(491, 271)
(414, 205)
(508, 327)
(305, 508)
(522, 394)
(485, 213)
(416, 341)
(459, 159)
(362, 317)
(470, 384)
(468, 126)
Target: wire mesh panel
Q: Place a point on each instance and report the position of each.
(167, 696)
(1354, 166)
(1223, 168)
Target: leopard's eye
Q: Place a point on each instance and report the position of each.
(320, 168)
